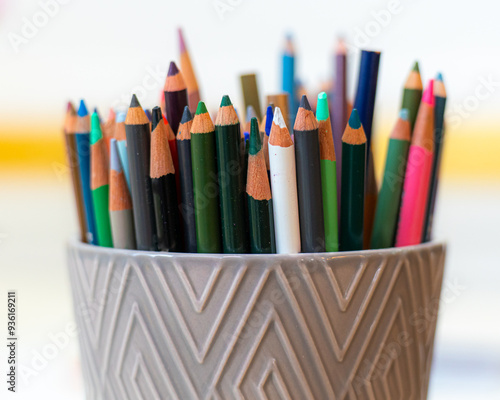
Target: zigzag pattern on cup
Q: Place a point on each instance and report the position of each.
(304, 327)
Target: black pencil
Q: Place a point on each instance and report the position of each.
(312, 228)
(186, 178)
(163, 184)
(137, 129)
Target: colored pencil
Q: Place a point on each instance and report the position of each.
(440, 100)
(108, 128)
(176, 96)
(281, 101)
(99, 182)
(82, 138)
(186, 179)
(366, 91)
(412, 94)
(353, 184)
(172, 144)
(162, 172)
(385, 223)
(328, 173)
(137, 129)
(371, 200)
(121, 143)
(120, 203)
(284, 187)
(312, 225)
(339, 109)
(288, 81)
(248, 118)
(267, 122)
(189, 75)
(231, 182)
(69, 130)
(251, 92)
(260, 206)
(206, 191)
(418, 172)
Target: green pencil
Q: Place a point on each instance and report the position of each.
(260, 206)
(99, 183)
(328, 173)
(386, 214)
(206, 191)
(353, 184)
(412, 94)
(231, 181)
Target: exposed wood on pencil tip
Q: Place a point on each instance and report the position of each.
(279, 132)
(202, 123)
(341, 47)
(161, 159)
(326, 145)
(414, 80)
(439, 87)
(175, 80)
(227, 113)
(70, 119)
(402, 129)
(305, 119)
(184, 132)
(354, 132)
(257, 180)
(135, 113)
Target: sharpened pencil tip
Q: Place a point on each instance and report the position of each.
(404, 114)
(255, 144)
(439, 77)
(156, 117)
(134, 102)
(120, 117)
(82, 109)
(226, 101)
(182, 43)
(415, 67)
(269, 119)
(354, 121)
(202, 108)
(428, 96)
(278, 118)
(114, 159)
(172, 69)
(304, 103)
(95, 128)
(322, 112)
(186, 115)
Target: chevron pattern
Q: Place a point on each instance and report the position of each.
(344, 326)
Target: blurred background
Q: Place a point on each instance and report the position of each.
(59, 50)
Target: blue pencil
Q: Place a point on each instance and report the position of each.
(82, 137)
(289, 78)
(366, 91)
(121, 143)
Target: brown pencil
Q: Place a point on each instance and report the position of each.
(69, 129)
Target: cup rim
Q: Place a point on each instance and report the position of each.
(75, 243)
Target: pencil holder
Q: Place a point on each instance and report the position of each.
(354, 325)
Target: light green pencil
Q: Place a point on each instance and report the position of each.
(328, 174)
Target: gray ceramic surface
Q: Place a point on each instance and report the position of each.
(354, 325)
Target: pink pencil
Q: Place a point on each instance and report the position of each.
(418, 173)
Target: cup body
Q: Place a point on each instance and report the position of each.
(350, 325)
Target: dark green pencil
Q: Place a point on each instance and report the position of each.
(206, 191)
(353, 185)
(231, 180)
(260, 206)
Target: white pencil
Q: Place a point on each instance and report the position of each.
(284, 187)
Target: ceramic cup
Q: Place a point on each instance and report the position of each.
(354, 325)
